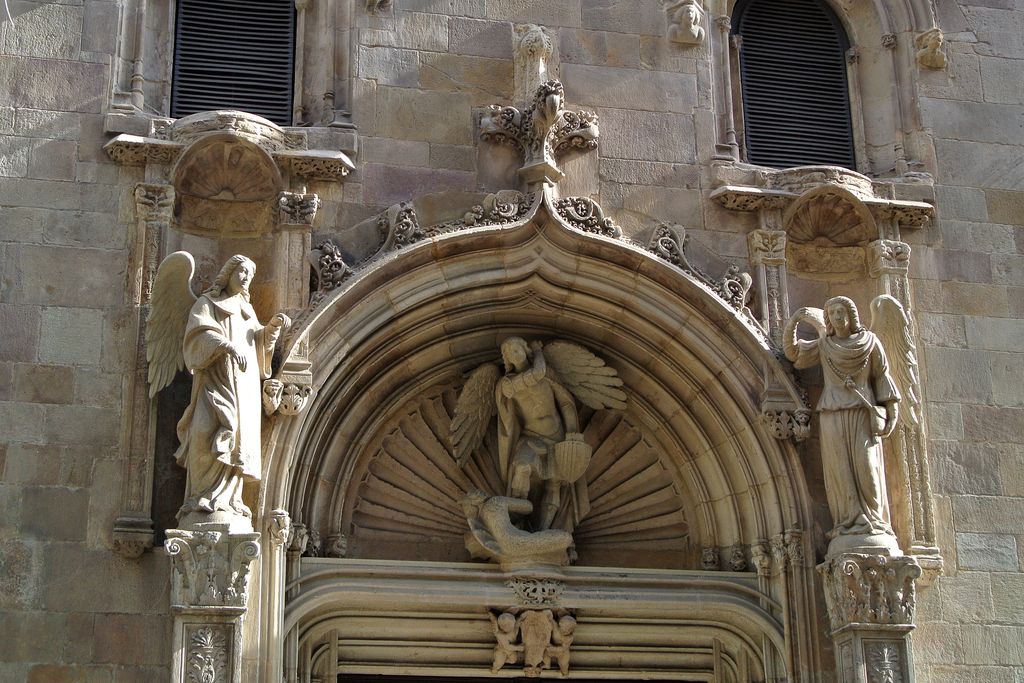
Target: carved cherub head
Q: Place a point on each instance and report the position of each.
(506, 622)
(566, 625)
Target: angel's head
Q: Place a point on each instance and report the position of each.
(841, 317)
(235, 276)
(514, 353)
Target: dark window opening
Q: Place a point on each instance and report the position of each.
(234, 54)
(796, 102)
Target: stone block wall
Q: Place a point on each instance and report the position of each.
(80, 612)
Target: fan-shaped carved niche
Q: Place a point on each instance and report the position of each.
(406, 505)
(226, 184)
(829, 216)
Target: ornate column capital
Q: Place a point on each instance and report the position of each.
(154, 203)
(870, 589)
(888, 257)
(767, 247)
(211, 569)
(279, 527)
(297, 208)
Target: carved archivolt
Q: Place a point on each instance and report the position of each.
(411, 487)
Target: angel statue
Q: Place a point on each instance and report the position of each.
(858, 407)
(218, 337)
(541, 453)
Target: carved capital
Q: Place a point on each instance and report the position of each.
(154, 203)
(737, 558)
(298, 538)
(889, 41)
(888, 257)
(210, 569)
(710, 559)
(297, 208)
(336, 545)
(279, 527)
(761, 558)
(767, 247)
(870, 589)
(294, 398)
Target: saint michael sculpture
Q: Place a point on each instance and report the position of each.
(221, 342)
(542, 456)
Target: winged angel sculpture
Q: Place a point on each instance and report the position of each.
(541, 453)
(218, 337)
(866, 372)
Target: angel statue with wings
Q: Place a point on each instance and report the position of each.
(218, 337)
(541, 453)
(864, 380)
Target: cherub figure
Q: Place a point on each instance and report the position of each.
(541, 453)
(218, 337)
(858, 407)
(506, 631)
(562, 638)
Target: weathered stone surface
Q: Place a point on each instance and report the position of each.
(990, 238)
(413, 31)
(99, 27)
(389, 66)
(977, 164)
(71, 336)
(133, 639)
(660, 54)
(54, 513)
(81, 425)
(98, 279)
(542, 12)
(967, 597)
(1006, 592)
(943, 330)
(18, 570)
(14, 154)
(21, 329)
(966, 468)
(44, 383)
(411, 114)
(987, 552)
(993, 644)
(386, 185)
(622, 16)
(965, 376)
(995, 334)
(53, 160)
(481, 38)
(962, 203)
(998, 28)
(983, 122)
(457, 8)
(646, 136)
(1005, 206)
(53, 84)
(488, 79)
(21, 421)
(599, 48)
(1002, 80)
(1008, 269)
(601, 86)
(951, 266)
(988, 514)
(76, 579)
(945, 419)
(660, 174)
(28, 463)
(40, 636)
(49, 30)
(453, 157)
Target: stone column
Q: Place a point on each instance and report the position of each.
(133, 528)
(767, 249)
(870, 601)
(209, 597)
(296, 213)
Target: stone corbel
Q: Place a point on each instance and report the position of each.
(871, 602)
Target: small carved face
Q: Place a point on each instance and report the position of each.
(839, 316)
(506, 622)
(514, 353)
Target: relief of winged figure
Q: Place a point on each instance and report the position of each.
(868, 373)
(221, 342)
(541, 453)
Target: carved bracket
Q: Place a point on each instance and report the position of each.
(210, 568)
(785, 424)
(888, 257)
(540, 636)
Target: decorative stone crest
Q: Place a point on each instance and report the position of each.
(533, 591)
(888, 257)
(537, 636)
(298, 208)
(684, 21)
(929, 49)
(543, 132)
(211, 568)
(785, 424)
(870, 589)
(504, 206)
(584, 214)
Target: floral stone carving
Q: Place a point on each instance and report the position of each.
(207, 657)
(543, 131)
(669, 243)
(211, 568)
(870, 589)
(537, 636)
(536, 591)
(298, 208)
(218, 337)
(584, 214)
(858, 407)
(542, 456)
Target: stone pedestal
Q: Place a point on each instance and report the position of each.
(870, 602)
(209, 596)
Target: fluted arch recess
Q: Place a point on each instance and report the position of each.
(428, 314)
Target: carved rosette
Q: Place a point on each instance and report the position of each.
(210, 568)
(888, 257)
(870, 589)
(297, 208)
(584, 214)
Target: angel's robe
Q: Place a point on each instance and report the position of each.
(851, 451)
(220, 430)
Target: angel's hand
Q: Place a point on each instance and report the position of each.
(892, 412)
(238, 356)
(280, 320)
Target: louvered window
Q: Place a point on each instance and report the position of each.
(796, 103)
(234, 54)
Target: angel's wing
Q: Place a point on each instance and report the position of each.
(474, 411)
(585, 375)
(168, 314)
(891, 325)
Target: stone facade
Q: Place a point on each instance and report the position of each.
(385, 197)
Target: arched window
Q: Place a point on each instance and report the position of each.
(234, 54)
(793, 79)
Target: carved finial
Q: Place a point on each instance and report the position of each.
(684, 21)
(533, 60)
(929, 49)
